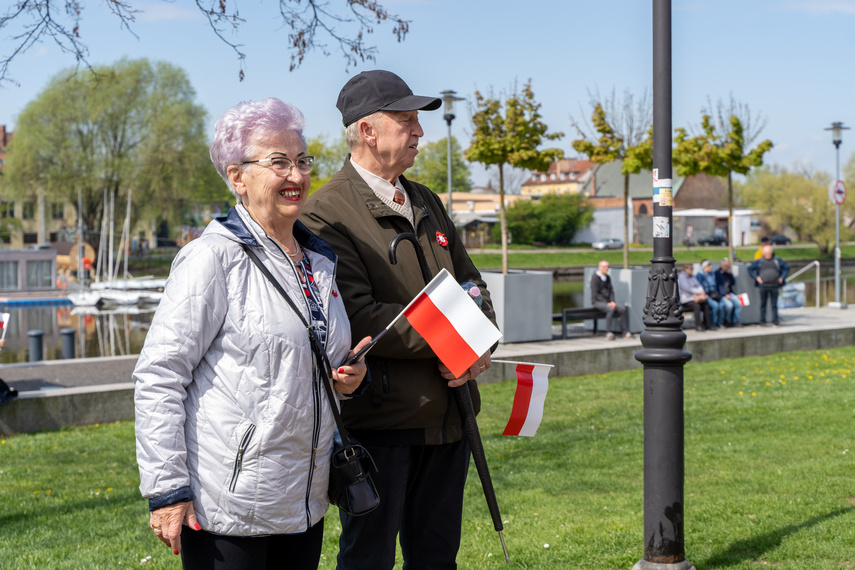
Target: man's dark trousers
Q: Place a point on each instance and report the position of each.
(768, 293)
(420, 496)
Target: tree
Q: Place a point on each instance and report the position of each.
(431, 167)
(625, 133)
(514, 178)
(553, 219)
(508, 134)
(329, 156)
(132, 125)
(32, 21)
(798, 200)
(721, 148)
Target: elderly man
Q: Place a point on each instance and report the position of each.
(693, 297)
(769, 274)
(603, 298)
(731, 306)
(407, 418)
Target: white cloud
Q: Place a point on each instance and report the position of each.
(823, 7)
(153, 12)
(37, 53)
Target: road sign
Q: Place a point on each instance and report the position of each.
(837, 192)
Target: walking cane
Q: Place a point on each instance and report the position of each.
(463, 398)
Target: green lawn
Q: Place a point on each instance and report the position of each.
(576, 257)
(769, 478)
(522, 257)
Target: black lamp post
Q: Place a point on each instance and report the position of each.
(836, 129)
(663, 339)
(448, 99)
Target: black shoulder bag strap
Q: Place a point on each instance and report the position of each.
(320, 355)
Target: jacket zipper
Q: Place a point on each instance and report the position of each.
(244, 443)
(316, 379)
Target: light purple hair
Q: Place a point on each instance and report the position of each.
(246, 125)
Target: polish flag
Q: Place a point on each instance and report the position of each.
(454, 327)
(4, 320)
(527, 411)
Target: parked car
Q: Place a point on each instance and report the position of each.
(608, 243)
(780, 240)
(713, 240)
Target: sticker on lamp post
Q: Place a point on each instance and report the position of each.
(661, 227)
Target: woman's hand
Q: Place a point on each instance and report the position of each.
(480, 366)
(166, 523)
(347, 378)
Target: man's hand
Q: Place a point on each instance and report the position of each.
(612, 304)
(480, 366)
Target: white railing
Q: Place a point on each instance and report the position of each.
(815, 264)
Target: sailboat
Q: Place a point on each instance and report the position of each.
(112, 292)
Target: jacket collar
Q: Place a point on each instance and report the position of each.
(375, 205)
(235, 224)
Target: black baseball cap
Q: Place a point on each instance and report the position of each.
(379, 90)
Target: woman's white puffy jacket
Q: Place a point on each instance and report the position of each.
(229, 410)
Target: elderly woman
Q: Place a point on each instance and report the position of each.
(233, 427)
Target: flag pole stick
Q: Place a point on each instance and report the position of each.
(463, 398)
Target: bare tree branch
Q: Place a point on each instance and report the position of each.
(32, 21)
(722, 112)
(631, 117)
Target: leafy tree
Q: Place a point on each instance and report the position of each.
(625, 133)
(133, 125)
(329, 156)
(722, 148)
(797, 199)
(552, 219)
(508, 134)
(431, 167)
(29, 22)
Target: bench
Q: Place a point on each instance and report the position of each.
(577, 314)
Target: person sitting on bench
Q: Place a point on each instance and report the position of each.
(603, 298)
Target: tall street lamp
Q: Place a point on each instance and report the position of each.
(663, 339)
(448, 99)
(836, 129)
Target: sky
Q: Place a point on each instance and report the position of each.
(790, 62)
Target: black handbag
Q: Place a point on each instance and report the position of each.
(350, 488)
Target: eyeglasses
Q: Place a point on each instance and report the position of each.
(281, 166)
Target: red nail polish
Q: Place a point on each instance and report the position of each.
(197, 527)
(341, 370)
(175, 552)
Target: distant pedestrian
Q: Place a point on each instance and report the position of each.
(731, 306)
(764, 241)
(707, 281)
(769, 274)
(603, 298)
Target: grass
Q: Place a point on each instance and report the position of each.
(576, 257)
(768, 462)
(522, 257)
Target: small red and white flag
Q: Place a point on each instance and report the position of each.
(527, 411)
(454, 327)
(743, 299)
(4, 322)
